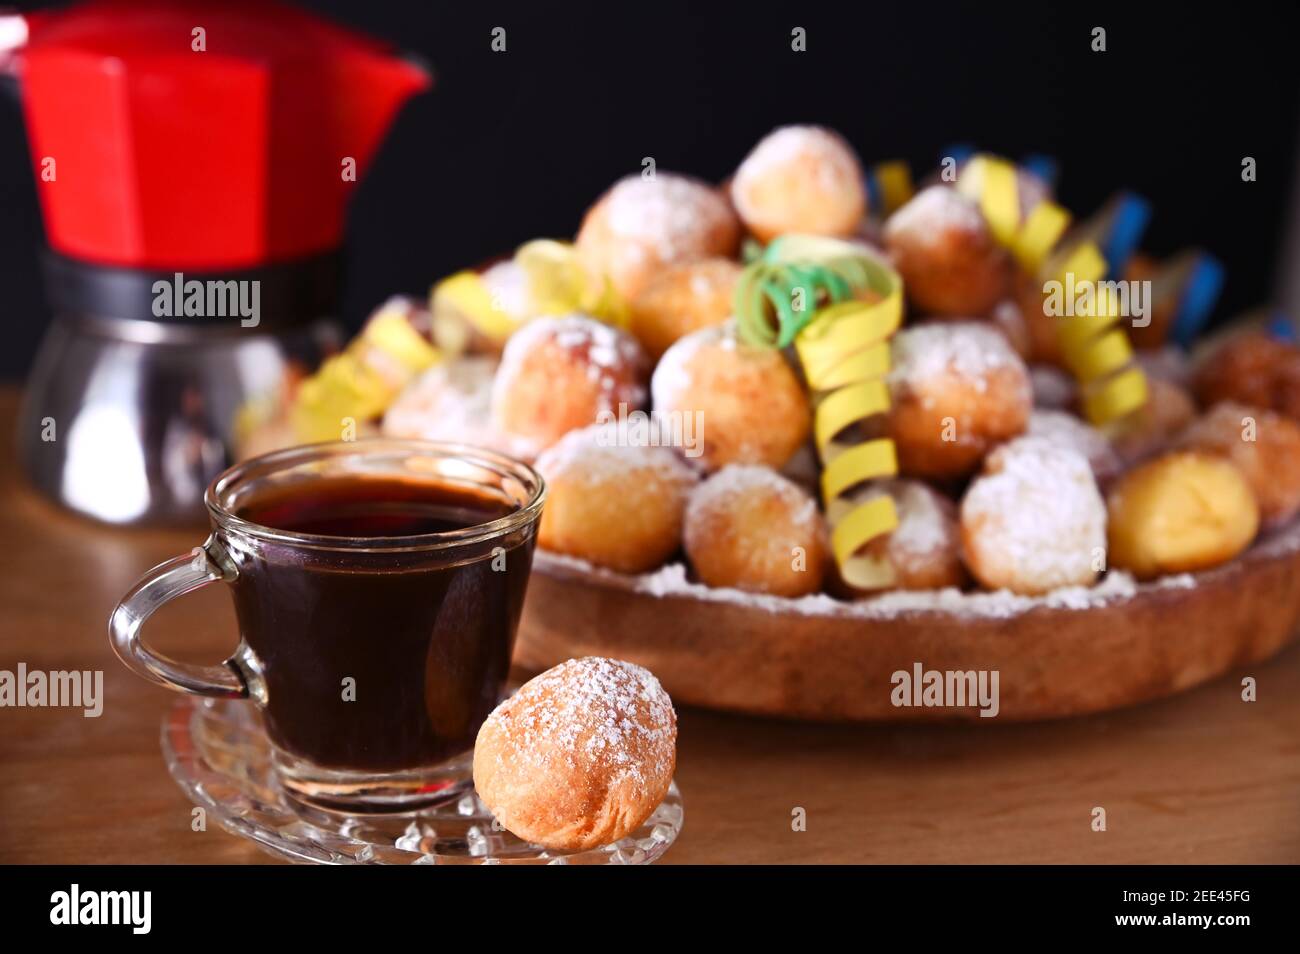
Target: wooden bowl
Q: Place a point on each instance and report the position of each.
(1073, 652)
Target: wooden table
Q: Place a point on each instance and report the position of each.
(1203, 777)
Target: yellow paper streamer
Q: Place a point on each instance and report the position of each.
(893, 184)
(844, 353)
(1043, 228)
(991, 181)
(1095, 350)
(466, 293)
(557, 283)
(360, 382)
(1123, 394)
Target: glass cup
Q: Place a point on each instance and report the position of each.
(373, 659)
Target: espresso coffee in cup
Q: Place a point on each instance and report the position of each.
(378, 586)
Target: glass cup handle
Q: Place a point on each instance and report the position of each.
(165, 582)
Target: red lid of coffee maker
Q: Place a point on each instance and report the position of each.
(202, 135)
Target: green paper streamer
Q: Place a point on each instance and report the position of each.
(774, 301)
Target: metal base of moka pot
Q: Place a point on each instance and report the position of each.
(127, 415)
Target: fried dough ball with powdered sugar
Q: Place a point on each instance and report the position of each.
(949, 260)
(802, 179)
(1034, 520)
(1066, 430)
(560, 374)
(751, 407)
(925, 548)
(611, 501)
(580, 756)
(683, 298)
(748, 527)
(643, 224)
(957, 389)
(450, 402)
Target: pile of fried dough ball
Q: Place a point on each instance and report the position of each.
(1002, 483)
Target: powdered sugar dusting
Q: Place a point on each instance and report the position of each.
(927, 525)
(970, 349)
(614, 358)
(828, 160)
(1066, 430)
(744, 479)
(932, 213)
(587, 717)
(669, 213)
(672, 378)
(601, 453)
(450, 402)
(450, 397)
(1035, 517)
(673, 581)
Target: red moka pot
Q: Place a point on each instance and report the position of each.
(194, 159)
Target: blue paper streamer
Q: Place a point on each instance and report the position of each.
(1043, 166)
(874, 199)
(1202, 291)
(1132, 213)
(1282, 328)
(959, 151)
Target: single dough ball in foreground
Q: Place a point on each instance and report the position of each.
(683, 298)
(800, 179)
(925, 548)
(641, 225)
(948, 258)
(560, 374)
(611, 502)
(1264, 446)
(580, 756)
(749, 404)
(750, 528)
(1180, 512)
(957, 389)
(1034, 521)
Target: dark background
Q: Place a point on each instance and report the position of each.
(512, 146)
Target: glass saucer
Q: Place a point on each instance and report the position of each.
(218, 753)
